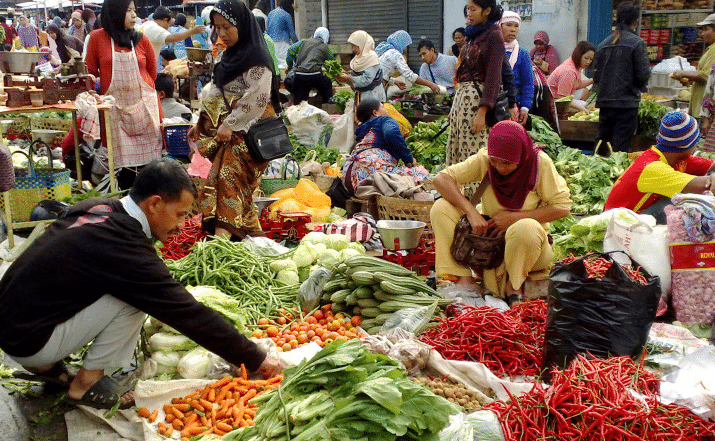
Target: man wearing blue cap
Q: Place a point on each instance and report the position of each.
(668, 168)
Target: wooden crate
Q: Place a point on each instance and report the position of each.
(579, 130)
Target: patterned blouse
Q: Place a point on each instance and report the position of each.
(250, 92)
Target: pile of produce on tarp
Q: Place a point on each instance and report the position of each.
(346, 392)
(236, 271)
(595, 399)
(508, 343)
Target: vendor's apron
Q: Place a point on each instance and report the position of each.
(134, 119)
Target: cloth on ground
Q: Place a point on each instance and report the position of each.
(699, 216)
(387, 184)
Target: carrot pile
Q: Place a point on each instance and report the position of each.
(218, 408)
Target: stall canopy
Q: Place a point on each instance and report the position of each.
(52, 4)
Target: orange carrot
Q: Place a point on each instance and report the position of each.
(244, 373)
(163, 425)
(250, 394)
(191, 419)
(153, 416)
(178, 424)
(208, 405)
(144, 412)
(195, 430)
(212, 395)
(177, 413)
(176, 400)
(196, 405)
(222, 382)
(170, 418)
(184, 407)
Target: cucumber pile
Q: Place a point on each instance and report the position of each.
(374, 289)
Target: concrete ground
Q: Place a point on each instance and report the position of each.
(27, 413)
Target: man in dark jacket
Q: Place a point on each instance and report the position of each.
(621, 73)
(306, 58)
(94, 275)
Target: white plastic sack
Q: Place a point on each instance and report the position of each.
(645, 243)
(673, 64)
(693, 384)
(307, 122)
(343, 136)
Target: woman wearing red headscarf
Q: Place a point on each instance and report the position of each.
(523, 193)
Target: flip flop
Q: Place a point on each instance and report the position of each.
(104, 394)
(50, 378)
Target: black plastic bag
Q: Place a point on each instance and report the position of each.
(604, 317)
(338, 194)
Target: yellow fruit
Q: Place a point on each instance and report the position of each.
(197, 44)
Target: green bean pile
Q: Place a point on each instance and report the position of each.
(232, 268)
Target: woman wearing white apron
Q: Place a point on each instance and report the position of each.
(135, 118)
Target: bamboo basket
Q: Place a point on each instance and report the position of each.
(389, 208)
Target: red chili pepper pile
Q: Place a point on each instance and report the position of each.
(590, 400)
(510, 342)
(179, 245)
(597, 266)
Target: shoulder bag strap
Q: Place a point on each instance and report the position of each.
(430, 73)
(477, 196)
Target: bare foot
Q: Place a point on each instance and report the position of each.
(84, 381)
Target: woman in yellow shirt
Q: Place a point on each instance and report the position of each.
(524, 193)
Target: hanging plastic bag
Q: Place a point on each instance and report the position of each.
(343, 136)
(310, 166)
(642, 241)
(604, 316)
(308, 123)
(311, 289)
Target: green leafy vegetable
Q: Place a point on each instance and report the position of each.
(427, 147)
(348, 393)
(650, 113)
(341, 98)
(333, 69)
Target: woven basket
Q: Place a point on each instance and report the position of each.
(323, 181)
(51, 124)
(33, 185)
(270, 186)
(406, 209)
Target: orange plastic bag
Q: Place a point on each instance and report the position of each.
(405, 126)
(309, 194)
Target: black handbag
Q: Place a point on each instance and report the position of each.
(268, 139)
(500, 111)
(338, 194)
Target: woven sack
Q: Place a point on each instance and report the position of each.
(473, 251)
(7, 170)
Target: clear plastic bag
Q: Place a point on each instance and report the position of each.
(377, 343)
(264, 246)
(410, 319)
(412, 353)
(311, 289)
(486, 426)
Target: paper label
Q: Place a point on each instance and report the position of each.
(692, 256)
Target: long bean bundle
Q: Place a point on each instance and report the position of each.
(232, 268)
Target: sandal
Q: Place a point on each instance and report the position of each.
(513, 299)
(104, 394)
(51, 378)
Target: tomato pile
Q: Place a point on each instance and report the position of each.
(322, 326)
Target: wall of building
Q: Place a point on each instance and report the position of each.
(566, 22)
(308, 17)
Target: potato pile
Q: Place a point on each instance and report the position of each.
(452, 391)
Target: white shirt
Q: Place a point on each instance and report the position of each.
(391, 61)
(156, 34)
(137, 213)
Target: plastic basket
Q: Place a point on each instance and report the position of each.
(406, 209)
(270, 186)
(51, 124)
(33, 185)
(176, 139)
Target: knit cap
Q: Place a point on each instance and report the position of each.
(678, 132)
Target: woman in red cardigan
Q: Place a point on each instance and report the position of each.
(127, 72)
